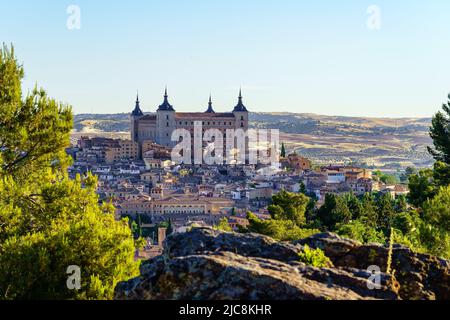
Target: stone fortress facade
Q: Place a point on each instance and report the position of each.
(158, 127)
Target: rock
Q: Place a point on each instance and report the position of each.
(420, 276)
(210, 240)
(333, 245)
(207, 264)
(228, 276)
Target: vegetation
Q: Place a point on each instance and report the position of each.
(420, 221)
(47, 221)
(440, 133)
(224, 225)
(283, 151)
(385, 178)
(283, 230)
(315, 258)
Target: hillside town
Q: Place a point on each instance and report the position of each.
(150, 189)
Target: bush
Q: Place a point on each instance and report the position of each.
(357, 230)
(315, 258)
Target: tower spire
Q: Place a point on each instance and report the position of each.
(210, 107)
(240, 106)
(166, 106)
(137, 112)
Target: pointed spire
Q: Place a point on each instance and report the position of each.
(166, 105)
(137, 112)
(210, 107)
(240, 106)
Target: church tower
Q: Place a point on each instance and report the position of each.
(135, 115)
(241, 114)
(165, 120)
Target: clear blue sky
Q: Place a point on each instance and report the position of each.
(297, 56)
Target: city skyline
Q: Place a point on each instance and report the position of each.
(286, 56)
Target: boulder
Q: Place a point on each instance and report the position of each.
(420, 276)
(200, 240)
(207, 264)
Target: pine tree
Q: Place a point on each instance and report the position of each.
(283, 151)
(440, 133)
(47, 221)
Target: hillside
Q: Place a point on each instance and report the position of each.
(374, 142)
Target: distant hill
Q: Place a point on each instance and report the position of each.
(388, 143)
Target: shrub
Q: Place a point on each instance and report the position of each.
(315, 258)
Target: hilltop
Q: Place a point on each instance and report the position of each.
(387, 143)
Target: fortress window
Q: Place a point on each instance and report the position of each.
(242, 118)
(167, 117)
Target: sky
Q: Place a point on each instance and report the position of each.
(326, 57)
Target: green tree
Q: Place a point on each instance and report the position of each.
(386, 212)
(421, 187)
(441, 174)
(289, 206)
(47, 221)
(303, 188)
(334, 211)
(283, 230)
(354, 205)
(369, 214)
(436, 211)
(283, 151)
(223, 225)
(360, 231)
(409, 171)
(400, 204)
(440, 133)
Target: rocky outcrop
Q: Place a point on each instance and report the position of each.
(208, 264)
(420, 276)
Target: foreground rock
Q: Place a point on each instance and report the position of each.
(420, 276)
(208, 264)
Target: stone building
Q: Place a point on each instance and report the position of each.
(158, 127)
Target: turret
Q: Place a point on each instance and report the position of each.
(241, 114)
(210, 107)
(165, 116)
(134, 116)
